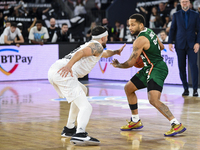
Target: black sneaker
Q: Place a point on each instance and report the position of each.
(84, 139)
(68, 132)
(185, 93)
(195, 93)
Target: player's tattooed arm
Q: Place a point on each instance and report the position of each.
(96, 49)
(130, 62)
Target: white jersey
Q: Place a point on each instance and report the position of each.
(10, 35)
(85, 64)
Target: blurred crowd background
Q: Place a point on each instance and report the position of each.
(53, 21)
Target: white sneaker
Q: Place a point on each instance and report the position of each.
(83, 139)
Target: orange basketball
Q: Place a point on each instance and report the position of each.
(139, 63)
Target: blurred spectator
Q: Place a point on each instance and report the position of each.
(52, 29)
(115, 31)
(196, 4)
(79, 8)
(23, 32)
(174, 9)
(9, 35)
(38, 34)
(105, 4)
(20, 9)
(163, 13)
(158, 23)
(153, 17)
(105, 24)
(198, 9)
(163, 36)
(167, 22)
(125, 34)
(168, 26)
(63, 35)
(7, 11)
(35, 13)
(191, 7)
(89, 32)
(1, 22)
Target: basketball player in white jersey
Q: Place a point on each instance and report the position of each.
(64, 74)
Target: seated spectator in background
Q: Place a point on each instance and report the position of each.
(162, 13)
(9, 35)
(52, 29)
(7, 11)
(38, 34)
(115, 31)
(163, 36)
(63, 35)
(79, 8)
(167, 22)
(23, 32)
(153, 17)
(89, 32)
(125, 34)
(105, 24)
(174, 9)
(21, 9)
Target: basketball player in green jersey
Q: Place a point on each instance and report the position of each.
(152, 75)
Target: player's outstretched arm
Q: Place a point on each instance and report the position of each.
(93, 49)
(138, 46)
(109, 53)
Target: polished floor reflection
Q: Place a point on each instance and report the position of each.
(32, 117)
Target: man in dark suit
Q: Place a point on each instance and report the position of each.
(186, 30)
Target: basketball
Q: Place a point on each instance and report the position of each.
(139, 63)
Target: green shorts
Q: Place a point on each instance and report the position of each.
(158, 73)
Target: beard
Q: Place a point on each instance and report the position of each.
(104, 45)
(52, 25)
(185, 8)
(135, 33)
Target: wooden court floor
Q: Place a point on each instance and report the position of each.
(30, 120)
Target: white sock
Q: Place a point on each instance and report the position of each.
(175, 121)
(73, 112)
(135, 118)
(85, 110)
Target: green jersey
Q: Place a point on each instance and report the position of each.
(154, 66)
(153, 55)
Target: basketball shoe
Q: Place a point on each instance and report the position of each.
(175, 129)
(132, 125)
(68, 132)
(83, 139)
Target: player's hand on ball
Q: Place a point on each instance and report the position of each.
(64, 71)
(115, 63)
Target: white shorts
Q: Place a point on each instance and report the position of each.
(68, 87)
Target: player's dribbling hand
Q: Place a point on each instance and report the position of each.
(115, 63)
(64, 71)
(121, 49)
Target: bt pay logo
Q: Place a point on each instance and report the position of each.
(10, 60)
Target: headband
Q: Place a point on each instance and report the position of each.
(100, 35)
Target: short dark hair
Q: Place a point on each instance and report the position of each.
(98, 30)
(13, 24)
(39, 21)
(139, 18)
(64, 24)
